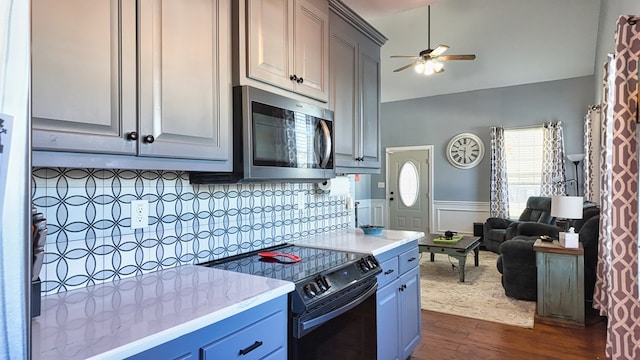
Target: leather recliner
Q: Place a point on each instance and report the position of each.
(498, 230)
(517, 262)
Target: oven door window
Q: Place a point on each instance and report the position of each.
(284, 138)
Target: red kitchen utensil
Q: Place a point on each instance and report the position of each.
(274, 254)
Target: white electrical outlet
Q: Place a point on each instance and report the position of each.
(139, 214)
(381, 185)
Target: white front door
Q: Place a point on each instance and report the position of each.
(409, 187)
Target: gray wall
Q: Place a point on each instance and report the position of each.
(435, 120)
(610, 11)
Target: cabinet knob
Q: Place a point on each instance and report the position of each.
(133, 136)
(300, 80)
(149, 139)
(391, 199)
(293, 78)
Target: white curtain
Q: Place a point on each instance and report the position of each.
(553, 166)
(591, 164)
(499, 196)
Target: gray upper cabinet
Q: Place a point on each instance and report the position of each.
(287, 45)
(83, 76)
(149, 78)
(354, 80)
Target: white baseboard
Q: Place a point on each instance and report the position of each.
(458, 216)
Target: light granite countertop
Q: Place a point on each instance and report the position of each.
(122, 318)
(355, 240)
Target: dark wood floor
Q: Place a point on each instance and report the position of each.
(446, 337)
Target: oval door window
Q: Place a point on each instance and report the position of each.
(408, 184)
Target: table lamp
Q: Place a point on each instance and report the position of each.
(569, 208)
(566, 207)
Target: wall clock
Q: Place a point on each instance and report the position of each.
(465, 150)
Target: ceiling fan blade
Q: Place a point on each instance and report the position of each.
(406, 66)
(438, 50)
(457, 57)
(405, 56)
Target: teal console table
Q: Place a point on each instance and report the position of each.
(560, 284)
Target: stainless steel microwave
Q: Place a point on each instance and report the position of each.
(276, 138)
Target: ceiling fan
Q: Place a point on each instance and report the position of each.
(429, 61)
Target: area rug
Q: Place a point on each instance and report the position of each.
(481, 296)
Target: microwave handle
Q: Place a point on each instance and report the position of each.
(326, 134)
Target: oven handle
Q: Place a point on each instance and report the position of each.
(307, 326)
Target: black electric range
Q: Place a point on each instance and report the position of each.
(325, 280)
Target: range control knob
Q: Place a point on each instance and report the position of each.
(371, 262)
(323, 283)
(364, 266)
(311, 289)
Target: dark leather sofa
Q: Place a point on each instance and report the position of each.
(517, 262)
(498, 230)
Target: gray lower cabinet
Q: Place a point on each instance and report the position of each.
(259, 333)
(147, 78)
(354, 95)
(398, 296)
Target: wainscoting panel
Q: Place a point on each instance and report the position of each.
(459, 215)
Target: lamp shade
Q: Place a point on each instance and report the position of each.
(566, 207)
(575, 157)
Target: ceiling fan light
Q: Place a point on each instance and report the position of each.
(419, 68)
(438, 66)
(429, 68)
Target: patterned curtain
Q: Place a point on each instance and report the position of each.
(591, 164)
(616, 294)
(553, 169)
(499, 197)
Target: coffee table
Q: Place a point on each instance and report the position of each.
(459, 250)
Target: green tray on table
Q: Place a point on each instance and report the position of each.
(442, 240)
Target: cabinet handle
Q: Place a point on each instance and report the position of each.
(390, 199)
(149, 139)
(255, 345)
(293, 78)
(300, 80)
(388, 272)
(133, 136)
(412, 259)
(402, 287)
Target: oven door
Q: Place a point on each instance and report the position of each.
(343, 329)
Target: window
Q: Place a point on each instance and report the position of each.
(524, 149)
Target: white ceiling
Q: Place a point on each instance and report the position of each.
(515, 42)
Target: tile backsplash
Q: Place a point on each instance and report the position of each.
(90, 240)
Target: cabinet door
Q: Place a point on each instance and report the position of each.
(83, 75)
(184, 79)
(269, 40)
(388, 320)
(369, 146)
(344, 98)
(311, 50)
(410, 312)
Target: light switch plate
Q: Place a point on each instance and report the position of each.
(381, 185)
(139, 214)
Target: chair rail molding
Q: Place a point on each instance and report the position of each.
(458, 216)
